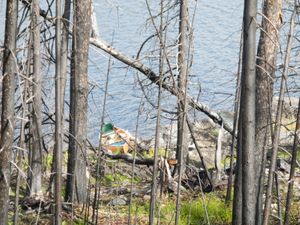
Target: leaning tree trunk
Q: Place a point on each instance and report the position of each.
(265, 73)
(8, 103)
(35, 170)
(76, 180)
(246, 133)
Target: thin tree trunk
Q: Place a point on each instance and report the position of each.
(157, 130)
(58, 119)
(235, 127)
(246, 136)
(278, 196)
(237, 209)
(8, 103)
(134, 161)
(99, 159)
(276, 134)
(265, 73)
(22, 143)
(65, 45)
(77, 181)
(289, 197)
(182, 132)
(36, 150)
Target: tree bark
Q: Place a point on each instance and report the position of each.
(158, 118)
(289, 197)
(65, 44)
(265, 74)
(35, 184)
(237, 209)
(58, 119)
(246, 133)
(277, 128)
(77, 181)
(182, 129)
(8, 103)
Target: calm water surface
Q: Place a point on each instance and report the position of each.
(217, 27)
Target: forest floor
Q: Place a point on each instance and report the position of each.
(117, 184)
(197, 207)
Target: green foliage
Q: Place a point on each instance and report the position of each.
(192, 212)
(286, 156)
(160, 152)
(117, 178)
(47, 161)
(217, 211)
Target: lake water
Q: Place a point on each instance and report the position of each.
(217, 26)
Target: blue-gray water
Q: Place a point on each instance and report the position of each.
(217, 27)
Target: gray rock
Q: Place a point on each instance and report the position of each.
(118, 201)
(283, 166)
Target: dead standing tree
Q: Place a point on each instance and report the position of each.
(8, 104)
(58, 119)
(289, 197)
(77, 181)
(276, 134)
(265, 74)
(154, 185)
(244, 209)
(35, 156)
(182, 129)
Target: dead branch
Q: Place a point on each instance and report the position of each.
(129, 158)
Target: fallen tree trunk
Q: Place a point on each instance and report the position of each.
(152, 76)
(129, 158)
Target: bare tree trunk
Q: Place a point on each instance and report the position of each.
(182, 129)
(65, 44)
(246, 136)
(77, 181)
(235, 125)
(237, 209)
(289, 197)
(35, 184)
(276, 134)
(58, 119)
(265, 73)
(64, 56)
(157, 130)
(8, 103)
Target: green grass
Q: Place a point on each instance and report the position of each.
(195, 213)
(286, 156)
(160, 152)
(192, 212)
(117, 178)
